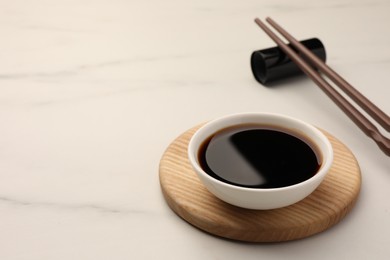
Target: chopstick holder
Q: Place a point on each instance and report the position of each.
(272, 64)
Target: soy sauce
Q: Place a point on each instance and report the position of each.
(258, 157)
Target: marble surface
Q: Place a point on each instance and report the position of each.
(92, 93)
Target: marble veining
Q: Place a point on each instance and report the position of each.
(69, 207)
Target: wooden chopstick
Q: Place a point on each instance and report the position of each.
(355, 95)
(357, 117)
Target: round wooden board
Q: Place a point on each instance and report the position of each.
(325, 207)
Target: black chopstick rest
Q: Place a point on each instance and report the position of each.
(273, 64)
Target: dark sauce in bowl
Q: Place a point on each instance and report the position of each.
(258, 156)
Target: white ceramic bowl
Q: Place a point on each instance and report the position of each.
(261, 198)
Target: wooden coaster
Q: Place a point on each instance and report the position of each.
(322, 209)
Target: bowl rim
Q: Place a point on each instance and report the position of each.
(194, 144)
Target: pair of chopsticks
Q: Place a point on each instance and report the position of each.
(353, 113)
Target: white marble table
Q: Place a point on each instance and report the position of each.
(92, 93)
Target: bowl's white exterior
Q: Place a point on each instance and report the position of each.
(255, 198)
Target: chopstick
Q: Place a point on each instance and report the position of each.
(355, 95)
(355, 115)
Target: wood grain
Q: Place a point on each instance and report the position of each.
(325, 207)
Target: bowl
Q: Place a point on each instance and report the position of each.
(259, 197)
